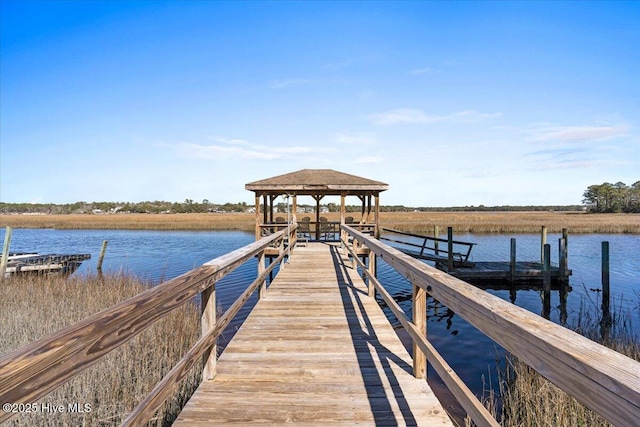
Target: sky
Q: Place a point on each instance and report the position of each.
(450, 103)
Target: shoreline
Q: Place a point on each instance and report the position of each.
(492, 222)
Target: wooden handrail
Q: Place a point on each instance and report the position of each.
(600, 378)
(435, 239)
(145, 410)
(454, 383)
(31, 372)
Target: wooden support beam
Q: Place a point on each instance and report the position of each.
(294, 209)
(377, 217)
(449, 248)
(512, 261)
(265, 217)
(605, 281)
(257, 201)
(543, 241)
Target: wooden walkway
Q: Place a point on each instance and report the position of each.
(315, 351)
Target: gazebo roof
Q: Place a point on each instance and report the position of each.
(312, 181)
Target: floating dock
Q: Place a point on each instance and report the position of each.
(22, 263)
(453, 257)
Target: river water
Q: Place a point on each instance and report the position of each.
(155, 256)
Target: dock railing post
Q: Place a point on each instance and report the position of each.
(450, 249)
(261, 269)
(208, 322)
(372, 272)
(436, 235)
(512, 260)
(5, 252)
(419, 312)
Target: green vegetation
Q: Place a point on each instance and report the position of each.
(191, 206)
(618, 197)
(32, 307)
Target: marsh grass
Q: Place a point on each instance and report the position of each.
(417, 222)
(32, 307)
(528, 399)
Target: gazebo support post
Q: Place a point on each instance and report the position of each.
(265, 218)
(272, 197)
(257, 216)
(318, 197)
(294, 209)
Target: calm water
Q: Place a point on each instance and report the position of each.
(160, 255)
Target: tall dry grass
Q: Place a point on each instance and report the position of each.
(511, 222)
(529, 399)
(416, 222)
(32, 307)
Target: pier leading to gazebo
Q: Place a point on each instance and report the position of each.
(317, 183)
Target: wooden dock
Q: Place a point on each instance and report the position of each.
(525, 272)
(315, 351)
(23, 263)
(453, 257)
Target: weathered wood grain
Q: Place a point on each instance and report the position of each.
(464, 396)
(602, 379)
(34, 370)
(145, 410)
(316, 350)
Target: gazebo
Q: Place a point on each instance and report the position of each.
(317, 183)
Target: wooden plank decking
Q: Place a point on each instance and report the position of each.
(316, 351)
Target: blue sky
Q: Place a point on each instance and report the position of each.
(450, 103)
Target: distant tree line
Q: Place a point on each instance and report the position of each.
(607, 197)
(156, 207)
(191, 206)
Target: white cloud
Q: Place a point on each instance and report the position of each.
(554, 164)
(572, 134)
(412, 115)
(356, 138)
(285, 83)
(241, 149)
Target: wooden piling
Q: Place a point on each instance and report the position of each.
(5, 251)
(512, 261)
(436, 235)
(546, 282)
(450, 248)
(103, 250)
(605, 278)
(543, 241)
(546, 268)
